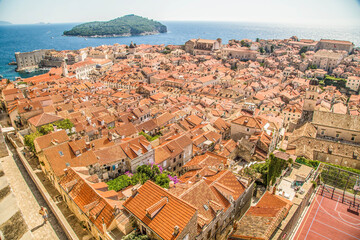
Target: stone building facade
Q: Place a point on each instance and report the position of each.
(202, 46)
(328, 60)
(239, 53)
(29, 60)
(305, 142)
(337, 127)
(336, 45)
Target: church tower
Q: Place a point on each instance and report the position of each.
(132, 48)
(65, 72)
(311, 96)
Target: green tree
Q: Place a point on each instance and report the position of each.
(244, 44)
(276, 165)
(149, 170)
(307, 162)
(64, 124)
(144, 173)
(337, 82)
(162, 180)
(150, 138)
(129, 24)
(261, 49)
(29, 139)
(312, 66)
(272, 48)
(119, 183)
(303, 50)
(46, 129)
(303, 56)
(135, 179)
(257, 39)
(262, 168)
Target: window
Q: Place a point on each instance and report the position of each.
(248, 129)
(322, 132)
(337, 135)
(143, 230)
(352, 138)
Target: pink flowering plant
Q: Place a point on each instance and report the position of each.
(173, 178)
(129, 174)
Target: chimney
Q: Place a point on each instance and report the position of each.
(133, 192)
(176, 231)
(171, 184)
(88, 147)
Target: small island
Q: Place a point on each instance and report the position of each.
(128, 25)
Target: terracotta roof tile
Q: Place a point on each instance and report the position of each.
(43, 119)
(175, 212)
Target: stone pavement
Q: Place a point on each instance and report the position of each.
(29, 200)
(12, 224)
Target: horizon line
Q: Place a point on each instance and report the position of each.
(214, 21)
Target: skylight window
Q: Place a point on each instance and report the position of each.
(206, 207)
(61, 153)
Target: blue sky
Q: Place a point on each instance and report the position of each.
(316, 12)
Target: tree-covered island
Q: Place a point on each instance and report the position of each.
(123, 26)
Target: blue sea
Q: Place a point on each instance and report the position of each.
(24, 38)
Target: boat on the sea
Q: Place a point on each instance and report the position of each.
(12, 63)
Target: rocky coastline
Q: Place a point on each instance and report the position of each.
(116, 35)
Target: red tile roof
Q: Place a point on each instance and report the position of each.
(50, 140)
(86, 198)
(174, 212)
(43, 119)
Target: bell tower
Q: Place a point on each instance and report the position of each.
(65, 72)
(311, 96)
